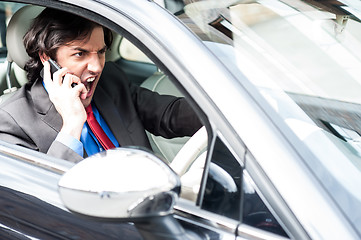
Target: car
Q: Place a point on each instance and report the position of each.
(277, 87)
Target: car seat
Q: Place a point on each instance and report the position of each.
(17, 56)
(166, 148)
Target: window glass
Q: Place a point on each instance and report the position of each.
(230, 192)
(130, 52)
(223, 187)
(304, 58)
(255, 213)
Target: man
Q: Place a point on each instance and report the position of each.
(51, 116)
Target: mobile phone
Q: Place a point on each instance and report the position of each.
(54, 66)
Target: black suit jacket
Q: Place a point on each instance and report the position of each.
(30, 119)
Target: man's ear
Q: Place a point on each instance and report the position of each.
(43, 57)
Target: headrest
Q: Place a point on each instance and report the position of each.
(19, 24)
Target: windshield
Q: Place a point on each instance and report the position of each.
(305, 59)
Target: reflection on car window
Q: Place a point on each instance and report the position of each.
(304, 58)
(223, 188)
(255, 213)
(230, 192)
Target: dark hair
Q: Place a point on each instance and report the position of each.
(51, 30)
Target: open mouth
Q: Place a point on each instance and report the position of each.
(88, 84)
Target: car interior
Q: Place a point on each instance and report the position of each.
(139, 70)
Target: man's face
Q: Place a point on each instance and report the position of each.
(85, 59)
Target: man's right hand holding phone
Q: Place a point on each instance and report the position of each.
(66, 99)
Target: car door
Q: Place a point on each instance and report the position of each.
(30, 204)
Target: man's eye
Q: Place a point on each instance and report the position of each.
(79, 54)
(101, 52)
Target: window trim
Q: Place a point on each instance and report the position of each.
(185, 210)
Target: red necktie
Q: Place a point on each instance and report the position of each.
(97, 129)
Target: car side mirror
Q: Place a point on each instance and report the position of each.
(124, 184)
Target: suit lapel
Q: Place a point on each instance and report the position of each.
(44, 107)
(111, 115)
(46, 122)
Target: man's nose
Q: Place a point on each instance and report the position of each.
(95, 63)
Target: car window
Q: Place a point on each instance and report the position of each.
(255, 213)
(130, 52)
(222, 193)
(230, 192)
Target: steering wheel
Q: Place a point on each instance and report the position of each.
(189, 152)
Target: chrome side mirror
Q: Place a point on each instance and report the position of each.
(123, 183)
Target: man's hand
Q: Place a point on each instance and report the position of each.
(67, 100)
